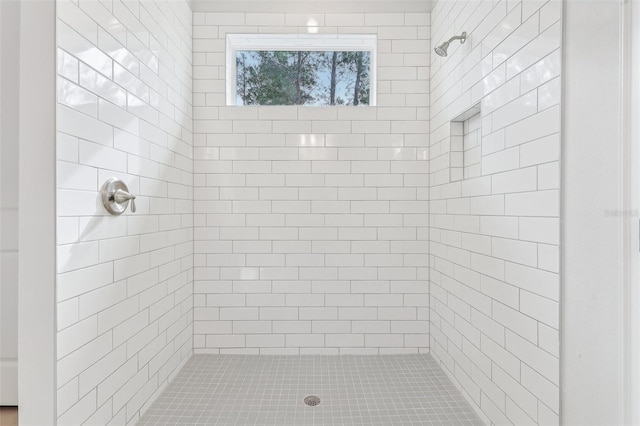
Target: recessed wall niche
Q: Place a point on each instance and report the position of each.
(465, 145)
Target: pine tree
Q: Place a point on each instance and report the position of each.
(300, 77)
(361, 86)
(334, 78)
(242, 76)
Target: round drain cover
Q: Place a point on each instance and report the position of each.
(311, 400)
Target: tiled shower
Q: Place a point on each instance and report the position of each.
(333, 246)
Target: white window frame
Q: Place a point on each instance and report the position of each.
(296, 42)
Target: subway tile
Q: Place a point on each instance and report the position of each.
(344, 340)
(383, 340)
(305, 340)
(337, 194)
(265, 19)
(384, 19)
(118, 117)
(82, 126)
(501, 161)
(344, 19)
(516, 391)
(544, 150)
(546, 42)
(67, 66)
(539, 203)
(70, 39)
(522, 35)
(544, 310)
(77, 98)
(544, 363)
(516, 251)
(533, 127)
(523, 325)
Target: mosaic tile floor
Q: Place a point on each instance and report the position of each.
(269, 390)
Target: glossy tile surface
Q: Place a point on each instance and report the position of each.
(310, 224)
(125, 283)
(494, 235)
(269, 390)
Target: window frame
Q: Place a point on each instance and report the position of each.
(300, 42)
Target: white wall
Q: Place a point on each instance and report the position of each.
(9, 85)
(631, 111)
(124, 283)
(310, 222)
(595, 210)
(36, 224)
(494, 248)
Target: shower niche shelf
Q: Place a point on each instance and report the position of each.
(465, 148)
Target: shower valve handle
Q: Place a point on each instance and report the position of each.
(116, 197)
(121, 197)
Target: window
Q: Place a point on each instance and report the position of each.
(301, 69)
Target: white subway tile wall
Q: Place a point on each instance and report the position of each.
(471, 146)
(311, 227)
(494, 236)
(308, 230)
(125, 284)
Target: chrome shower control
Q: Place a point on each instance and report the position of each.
(116, 197)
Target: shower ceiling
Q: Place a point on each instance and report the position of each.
(303, 6)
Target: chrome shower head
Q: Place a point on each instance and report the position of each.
(442, 49)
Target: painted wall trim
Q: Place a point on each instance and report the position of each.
(37, 213)
(9, 98)
(631, 157)
(592, 348)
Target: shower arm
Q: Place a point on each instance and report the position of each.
(462, 38)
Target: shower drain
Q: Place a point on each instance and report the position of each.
(312, 400)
